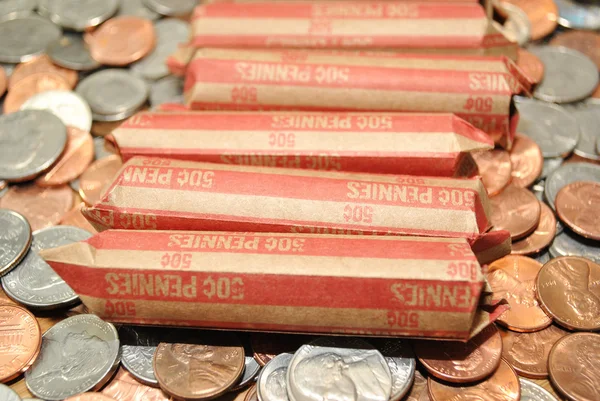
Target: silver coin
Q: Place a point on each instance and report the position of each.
(172, 8)
(114, 117)
(71, 108)
(136, 8)
(19, 7)
(550, 126)
(568, 243)
(271, 383)
(8, 394)
(402, 363)
(587, 115)
(24, 37)
(77, 355)
(542, 257)
(33, 283)
(100, 151)
(566, 174)
(533, 392)
(70, 51)
(320, 367)
(550, 165)
(251, 369)
(138, 361)
(75, 184)
(113, 91)
(578, 15)
(517, 27)
(4, 186)
(166, 90)
(15, 239)
(78, 14)
(30, 142)
(569, 75)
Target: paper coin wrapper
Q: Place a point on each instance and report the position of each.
(394, 143)
(477, 89)
(384, 286)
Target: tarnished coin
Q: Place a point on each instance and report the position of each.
(123, 387)
(267, 346)
(16, 7)
(587, 115)
(166, 90)
(98, 175)
(15, 238)
(517, 27)
(527, 161)
(567, 243)
(42, 64)
(586, 42)
(29, 36)
(459, 362)
(531, 65)
(20, 340)
(271, 383)
(516, 210)
(578, 206)
(401, 361)
(172, 8)
(33, 283)
(251, 369)
(136, 8)
(533, 392)
(78, 15)
(578, 14)
(566, 174)
(542, 236)
(71, 108)
(495, 169)
(8, 394)
(541, 13)
(78, 354)
(318, 367)
(30, 142)
(70, 51)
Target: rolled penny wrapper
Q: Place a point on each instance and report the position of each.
(390, 143)
(477, 89)
(400, 286)
(458, 28)
(178, 61)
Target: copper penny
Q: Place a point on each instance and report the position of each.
(199, 371)
(267, 346)
(528, 353)
(121, 41)
(458, 362)
(513, 278)
(586, 42)
(31, 85)
(527, 161)
(578, 206)
(251, 394)
(123, 387)
(419, 390)
(74, 218)
(97, 177)
(494, 168)
(3, 81)
(516, 210)
(574, 365)
(543, 15)
(90, 397)
(531, 65)
(541, 237)
(20, 341)
(503, 385)
(76, 157)
(42, 64)
(43, 207)
(568, 289)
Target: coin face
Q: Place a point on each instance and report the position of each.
(541, 237)
(401, 361)
(516, 210)
(20, 340)
(577, 205)
(123, 387)
(578, 15)
(70, 51)
(568, 243)
(251, 369)
(171, 8)
(533, 392)
(78, 15)
(97, 176)
(15, 239)
(21, 7)
(527, 161)
(71, 108)
(271, 384)
(495, 169)
(566, 174)
(27, 36)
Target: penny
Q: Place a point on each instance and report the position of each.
(123, 387)
(577, 205)
(568, 290)
(567, 174)
(20, 340)
(42, 207)
(401, 361)
(533, 392)
(136, 8)
(578, 15)
(516, 210)
(42, 64)
(586, 42)
(90, 397)
(98, 175)
(587, 115)
(70, 51)
(531, 65)
(31, 85)
(574, 367)
(528, 353)
(15, 239)
(101, 128)
(66, 105)
(8, 394)
(527, 161)
(172, 8)
(267, 346)
(29, 36)
(205, 369)
(33, 282)
(3, 81)
(418, 391)
(542, 14)
(271, 384)
(516, 27)
(78, 15)
(458, 362)
(74, 218)
(503, 385)
(251, 369)
(108, 47)
(568, 243)
(513, 278)
(252, 395)
(494, 168)
(542, 236)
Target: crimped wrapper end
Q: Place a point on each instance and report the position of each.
(486, 315)
(470, 138)
(80, 253)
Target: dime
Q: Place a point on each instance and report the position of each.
(136, 8)
(251, 369)
(172, 8)
(401, 361)
(542, 236)
(31, 85)
(517, 27)
(532, 392)
(166, 90)
(568, 243)
(78, 354)
(98, 175)
(137, 359)
(267, 346)
(586, 114)
(566, 174)
(577, 205)
(516, 210)
(7, 394)
(271, 384)
(567, 290)
(66, 105)
(541, 13)
(123, 387)
(458, 362)
(527, 161)
(494, 168)
(528, 353)
(513, 278)
(70, 51)
(20, 7)
(15, 238)
(74, 218)
(20, 340)
(42, 64)
(578, 15)
(25, 37)
(586, 42)
(418, 391)
(78, 15)
(531, 65)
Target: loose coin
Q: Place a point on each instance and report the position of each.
(30, 142)
(90, 397)
(172, 8)
(136, 8)
(527, 161)
(271, 383)
(252, 395)
(564, 175)
(458, 362)
(503, 385)
(494, 168)
(577, 205)
(137, 359)
(19, 7)
(516, 210)
(568, 243)
(8, 394)
(541, 13)
(533, 392)
(66, 105)
(78, 354)
(251, 369)
(587, 115)
(123, 387)
(33, 283)
(29, 36)
(568, 291)
(31, 85)
(418, 391)
(401, 361)
(3, 81)
(70, 51)
(42, 64)
(528, 353)
(586, 42)
(78, 15)
(98, 175)
(267, 346)
(20, 337)
(551, 164)
(542, 236)
(531, 65)
(516, 27)
(578, 15)
(15, 239)
(513, 278)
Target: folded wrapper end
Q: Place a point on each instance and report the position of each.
(178, 61)
(486, 315)
(469, 137)
(491, 246)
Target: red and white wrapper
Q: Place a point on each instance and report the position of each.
(391, 143)
(178, 61)
(400, 286)
(459, 28)
(477, 89)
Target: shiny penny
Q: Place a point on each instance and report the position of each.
(32, 85)
(542, 236)
(513, 278)
(528, 353)
(20, 341)
(494, 168)
(574, 365)
(124, 387)
(516, 210)
(568, 289)
(578, 206)
(587, 42)
(98, 175)
(531, 65)
(527, 161)
(267, 346)
(459, 362)
(42, 64)
(503, 385)
(543, 15)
